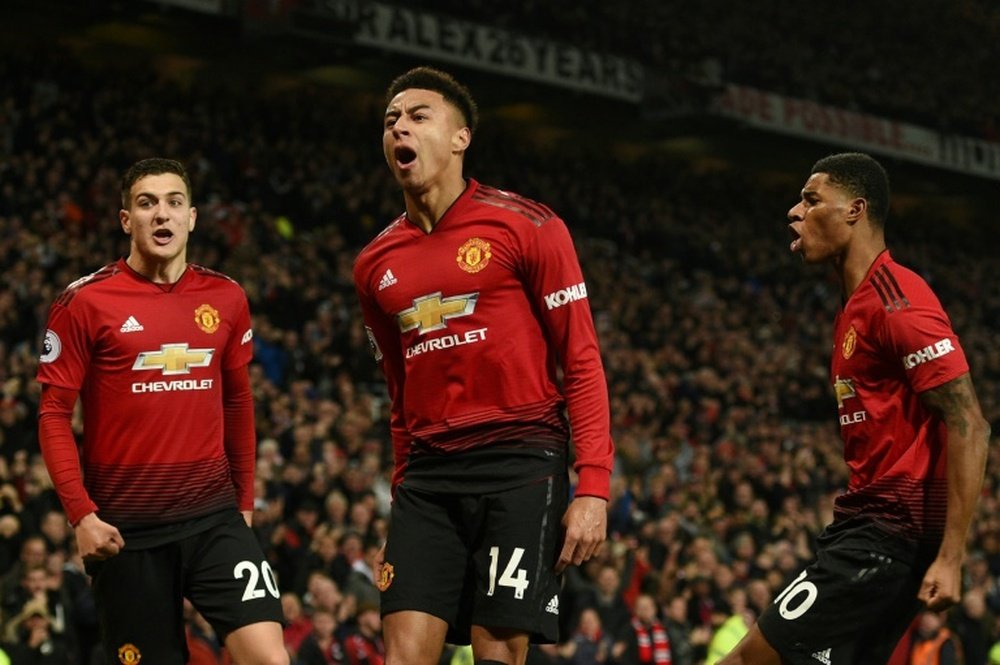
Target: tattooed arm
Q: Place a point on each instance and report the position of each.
(968, 434)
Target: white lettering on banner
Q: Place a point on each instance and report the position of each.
(565, 296)
(172, 386)
(932, 352)
(405, 30)
(804, 118)
(971, 155)
(447, 342)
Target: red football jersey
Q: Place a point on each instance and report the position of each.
(148, 360)
(470, 321)
(893, 341)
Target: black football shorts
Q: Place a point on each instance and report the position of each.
(851, 606)
(485, 560)
(140, 593)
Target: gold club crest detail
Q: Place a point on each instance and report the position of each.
(128, 654)
(386, 576)
(850, 343)
(474, 255)
(207, 318)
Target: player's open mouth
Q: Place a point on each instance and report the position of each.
(796, 244)
(405, 156)
(162, 236)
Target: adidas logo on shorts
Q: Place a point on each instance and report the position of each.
(823, 656)
(553, 606)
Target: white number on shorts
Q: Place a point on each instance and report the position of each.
(519, 582)
(798, 586)
(249, 569)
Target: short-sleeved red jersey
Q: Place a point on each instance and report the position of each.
(892, 341)
(470, 322)
(148, 361)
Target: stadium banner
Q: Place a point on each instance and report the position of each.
(860, 131)
(203, 6)
(406, 30)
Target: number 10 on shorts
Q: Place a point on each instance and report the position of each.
(800, 585)
(512, 576)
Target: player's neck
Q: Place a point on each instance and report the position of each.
(855, 263)
(158, 272)
(426, 207)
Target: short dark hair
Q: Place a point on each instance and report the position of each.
(429, 78)
(152, 166)
(861, 175)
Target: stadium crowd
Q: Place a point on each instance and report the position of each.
(934, 67)
(715, 342)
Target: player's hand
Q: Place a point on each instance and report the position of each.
(942, 585)
(247, 517)
(585, 525)
(96, 539)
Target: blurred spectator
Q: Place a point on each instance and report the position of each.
(321, 646)
(933, 643)
(30, 640)
(732, 630)
(589, 645)
(297, 626)
(364, 646)
(650, 643)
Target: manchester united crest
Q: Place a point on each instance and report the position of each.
(474, 255)
(207, 318)
(386, 576)
(850, 343)
(128, 654)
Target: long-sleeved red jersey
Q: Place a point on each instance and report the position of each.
(470, 322)
(150, 363)
(893, 341)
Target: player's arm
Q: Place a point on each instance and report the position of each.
(384, 340)
(554, 277)
(956, 404)
(239, 435)
(96, 539)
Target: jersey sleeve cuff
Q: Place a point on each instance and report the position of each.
(594, 481)
(78, 510)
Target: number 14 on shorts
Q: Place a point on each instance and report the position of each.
(512, 576)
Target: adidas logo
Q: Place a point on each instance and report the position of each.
(131, 325)
(388, 279)
(823, 656)
(553, 606)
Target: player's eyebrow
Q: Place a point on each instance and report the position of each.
(156, 196)
(394, 111)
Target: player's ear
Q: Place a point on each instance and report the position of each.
(461, 139)
(126, 221)
(857, 210)
(191, 219)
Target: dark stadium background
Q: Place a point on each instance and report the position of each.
(715, 338)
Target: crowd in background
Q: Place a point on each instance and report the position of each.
(930, 62)
(715, 341)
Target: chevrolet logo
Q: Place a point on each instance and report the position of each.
(174, 359)
(431, 312)
(844, 389)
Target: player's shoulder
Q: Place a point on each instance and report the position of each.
(897, 288)
(386, 238)
(209, 274)
(216, 280)
(517, 210)
(88, 283)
